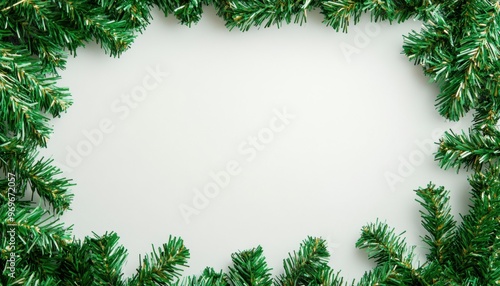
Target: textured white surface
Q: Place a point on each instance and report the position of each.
(148, 129)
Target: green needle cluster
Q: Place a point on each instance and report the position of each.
(458, 48)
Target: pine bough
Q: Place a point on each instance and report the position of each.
(458, 49)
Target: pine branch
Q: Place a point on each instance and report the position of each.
(387, 248)
(55, 25)
(208, 278)
(245, 14)
(35, 238)
(432, 47)
(487, 114)
(162, 266)
(107, 258)
(436, 273)
(438, 222)
(385, 274)
(44, 179)
(327, 277)
(338, 14)
(34, 230)
(465, 69)
(25, 95)
(303, 267)
(135, 13)
(381, 10)
(44, 267)
(28, 278)
(19, 115)
(22, 71)
(473, 151)
(480, 229)
(187, 11)
(492, 270)
(458, 47)
(76, 265)
(36, 25)
(477, 50)
(249, 269)
(383, 245)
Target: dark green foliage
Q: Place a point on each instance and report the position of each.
(187, 11)
(480, 230)
(162, 265)
(438, 222)
(306, 266)
(458, 49)
(389, 252)
(208, 277)
(250, 268)
(474, 150)
(245, 14)
(35, 238)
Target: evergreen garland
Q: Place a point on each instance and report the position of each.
(458, 49)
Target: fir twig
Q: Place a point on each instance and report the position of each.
(438, 222)
(387, 248)
(304, 267)
(162, 266)
(480, 230)
(249, 269)
(470, 151)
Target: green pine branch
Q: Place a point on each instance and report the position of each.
(186, 11)
(458, 48)
(208, 278)
(34, 230)
(340, 14)
(24, 75)
(107, 258)
(476, 52)
(44, 179)
(27, 278)
(162, 266)
(250, 269)
(480, 229)
(35, 238)
(135, 14)
(470, 151)
(49, 27)
(488, 113)
(384, 246)
(305, 266)
(385, 274)
(390, 252)
(246, 14)
(438, 222)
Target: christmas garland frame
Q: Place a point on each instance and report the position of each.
(458, 49)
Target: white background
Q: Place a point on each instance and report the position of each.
(360, 110)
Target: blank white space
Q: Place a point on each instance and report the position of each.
(323, 175)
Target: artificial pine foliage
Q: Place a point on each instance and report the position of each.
(458, 49)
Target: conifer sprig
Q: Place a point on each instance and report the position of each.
(162, 265)
(458, 49)
(390, 252)
(438, 222)
(250, 269)
(470, 151)
(480, 229)
(301, 268)
(246, 14)
(207, 278)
